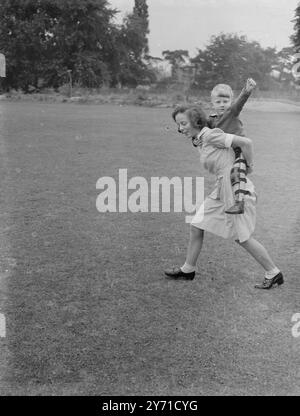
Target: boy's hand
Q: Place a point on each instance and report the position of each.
(250, 85)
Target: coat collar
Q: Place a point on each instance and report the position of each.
(202, 132)
(198, 140)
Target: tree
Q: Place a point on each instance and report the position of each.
(296, 42)
(176, 59)
(132, 44)
(282, 71)
(231, 59)
(42, 39)
(140, 25)
(296, 36)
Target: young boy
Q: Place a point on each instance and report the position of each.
(226, 117)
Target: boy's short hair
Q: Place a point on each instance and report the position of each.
(222, 90)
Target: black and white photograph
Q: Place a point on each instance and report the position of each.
(149, 208)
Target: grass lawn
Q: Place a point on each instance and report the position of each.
(88, 310)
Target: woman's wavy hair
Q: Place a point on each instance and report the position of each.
(195, 114)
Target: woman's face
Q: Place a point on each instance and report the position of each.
(184, 125)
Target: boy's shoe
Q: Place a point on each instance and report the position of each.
(237, 208)
(268, 283)
(177, 274)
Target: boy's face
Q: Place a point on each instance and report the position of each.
(221, 104)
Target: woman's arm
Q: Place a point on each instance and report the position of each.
(247, 149)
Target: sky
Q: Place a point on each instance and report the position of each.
(189, 24)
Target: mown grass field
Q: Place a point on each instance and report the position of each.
(88, 310)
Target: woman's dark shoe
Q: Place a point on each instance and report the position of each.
(177, 274)
(268, 283)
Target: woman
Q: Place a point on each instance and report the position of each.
(217, 156)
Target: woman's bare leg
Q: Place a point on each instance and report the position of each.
(258, 251)
(187, 271)
(195, 245)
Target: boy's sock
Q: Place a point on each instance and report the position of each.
(240, 185)
(238, 196)
(187, 268)
(272, 273)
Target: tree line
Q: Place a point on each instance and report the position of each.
(44, 41)
(232, 59)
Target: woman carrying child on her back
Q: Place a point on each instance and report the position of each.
(217, 156)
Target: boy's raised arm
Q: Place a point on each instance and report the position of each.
(243, 97)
